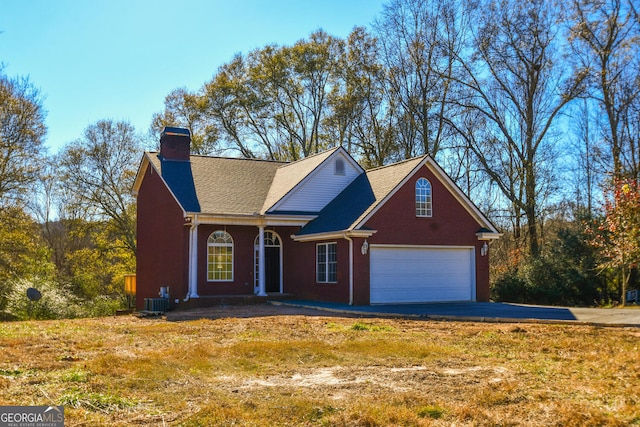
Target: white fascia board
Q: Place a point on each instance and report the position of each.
(401, 246)
(142, 169)
(254, 219)
(289, 220)
(488, 235)
(333, 235)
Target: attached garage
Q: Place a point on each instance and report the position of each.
(415, 274)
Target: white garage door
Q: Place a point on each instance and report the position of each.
(412, 274)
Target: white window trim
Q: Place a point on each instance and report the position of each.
(220, 245)
(428, 209)
(326, 263)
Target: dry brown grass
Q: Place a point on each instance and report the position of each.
(322, 371)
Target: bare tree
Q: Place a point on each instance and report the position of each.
(22, 132)
(297, 80)
(419, 40)
(361, 116)
(515, 88)
(184, 109)
(231, 103)
(98, 171)
(272, 102)
(587, 150)
(605, 36)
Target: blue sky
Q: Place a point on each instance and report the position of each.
(118, 59)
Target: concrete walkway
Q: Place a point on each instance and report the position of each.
(485, 311)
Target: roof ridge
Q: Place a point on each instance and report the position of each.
(204, 156)
(398, 163)
(313, 155)
(284, 162)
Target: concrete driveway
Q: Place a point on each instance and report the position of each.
(485, 311)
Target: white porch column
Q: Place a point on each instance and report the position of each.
(193, 261)
(261, 260)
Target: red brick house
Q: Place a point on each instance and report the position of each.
(321, 228)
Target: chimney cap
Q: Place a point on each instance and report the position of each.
(171, 131)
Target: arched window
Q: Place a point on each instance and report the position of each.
(220, 257)
(271, 238)
(424, 206)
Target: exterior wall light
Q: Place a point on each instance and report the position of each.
(365, 247)
(484, 250)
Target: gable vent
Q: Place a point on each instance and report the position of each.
(339, 167)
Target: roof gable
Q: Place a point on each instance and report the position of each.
(411, 166)
(308, 185)
(385, 181)
(351, 209)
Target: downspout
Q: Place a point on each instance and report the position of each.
(350, 267)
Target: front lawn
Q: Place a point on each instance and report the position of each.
(322, 371)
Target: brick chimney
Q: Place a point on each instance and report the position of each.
(175, 144)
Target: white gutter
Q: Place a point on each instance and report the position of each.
(333, 235)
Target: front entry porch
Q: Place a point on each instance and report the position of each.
(223, 300)
(272, 263)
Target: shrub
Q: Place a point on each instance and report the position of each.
(56, 302)
(509, 288)
(564, 274)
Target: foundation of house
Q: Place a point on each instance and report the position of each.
(222, 300)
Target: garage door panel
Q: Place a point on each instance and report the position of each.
(421, 274)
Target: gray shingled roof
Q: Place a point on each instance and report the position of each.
(228, 186)
(231, 186)
(225, 186)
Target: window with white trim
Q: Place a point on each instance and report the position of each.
(326, 263)
(424, 205)
(220, 257)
